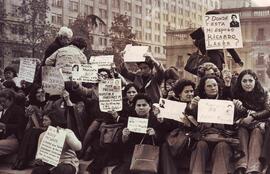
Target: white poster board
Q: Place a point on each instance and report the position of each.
(216, 111)
(51, 146)
(104, 61)
(222, 31)
(171, 109)
(137, 125)
(66, 72)
(110, 95)
(52, 80)
(85, 73)
(135, 53)
(27, 69)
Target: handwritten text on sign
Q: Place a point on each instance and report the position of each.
(110, 95)
(51, 146)
(172, 110)
(138, 125)
(222, 31)
(104, 61)
(52, 80)
(215, 111)
(27, 69)
(85, 73)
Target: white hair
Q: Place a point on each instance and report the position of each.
(65, 31)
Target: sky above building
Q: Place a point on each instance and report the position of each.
(261, 3)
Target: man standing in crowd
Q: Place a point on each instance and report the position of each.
(148, 80)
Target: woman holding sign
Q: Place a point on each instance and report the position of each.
(68, 162)
(143, 109)
(254, 102)
(177, 140)
(208, 145)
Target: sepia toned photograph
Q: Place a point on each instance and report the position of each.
(134, 86)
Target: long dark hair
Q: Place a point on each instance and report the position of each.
(32, 96)
(200, 91)
(257, 93)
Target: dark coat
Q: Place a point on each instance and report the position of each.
(15, 121)
(51, 49)
(234, 24)
(128, 147)
(152, 87)
(216, 56)
(261, 105)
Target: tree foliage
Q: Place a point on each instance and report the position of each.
(120, 35)
(39, 32)
(84, 26)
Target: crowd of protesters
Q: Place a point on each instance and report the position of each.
(27, 111)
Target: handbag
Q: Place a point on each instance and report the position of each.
(110, 133)
(194, 61)
(145, 158)
(177, 140)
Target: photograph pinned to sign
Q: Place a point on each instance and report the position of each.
(51, 146)
(85, 73)
(135, 53)
(110, 95)
(171, 110)
(52, 80)
(222, 31)
(104, 61)
(216, 111)
(27, 69)
(137, 125)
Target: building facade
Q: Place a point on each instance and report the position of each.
(255, 26)
(149, 18)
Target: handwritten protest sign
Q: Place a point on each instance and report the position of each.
(85, 73)
(51, 146)
(104, 61)
(138, 125)
(216, 111)
(222, 31)
(172, 110)
(110, 95)
(52, 80)
(27, 69)
(135, 53)
(66, 72)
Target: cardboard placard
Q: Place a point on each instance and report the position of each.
(137, 125)
(222, 31)
(216, 111)
(172, 110)
(27, 69)
(85, 73)
(52, 80)
(104, 61)
(51, 146)
(135, 53)
(110, 95)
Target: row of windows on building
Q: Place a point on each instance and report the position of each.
(74, 6)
